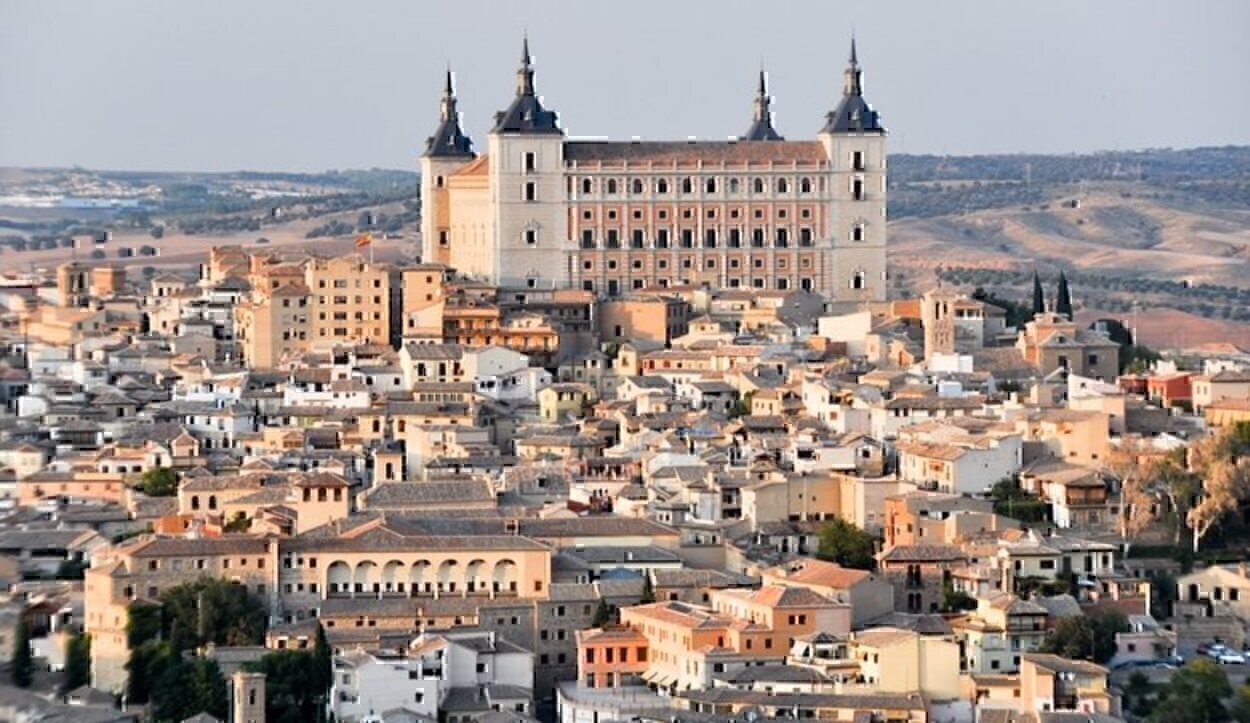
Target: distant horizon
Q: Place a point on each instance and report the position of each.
(415, 171)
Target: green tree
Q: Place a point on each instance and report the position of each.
(291, 679)
(147, 664)
(1195, 694)
(323, 669)
(847, 545)
(956, 600)
(1088, 637)
(602, 615)
(188, 687)
(648, 590)
(22, 665)
(77, 662)
(209, 610)
(158, 482)
(1137, 693)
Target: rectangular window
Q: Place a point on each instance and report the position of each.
(530, 161)
(531, 191)
(531, 236)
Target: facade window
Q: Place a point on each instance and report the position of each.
(531, 191)
(612, 186)
(735, 238)
(636, 185)
(614, 239)
(859, 281)
(709, 238)
(661, 185)
(637, 239)
(587, 185)
(783, 185)
(661, 238)
(530, 161)
(758, 185)
(710, 185)
(588, 239)
(858, 232)
(687, 185)
(734, 185)
(858, 161)
(531, 236)
(805, 237)
(857, 189)
(805, 185)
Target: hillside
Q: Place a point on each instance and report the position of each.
(1162, 237)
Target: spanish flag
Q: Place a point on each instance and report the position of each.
(364, 239)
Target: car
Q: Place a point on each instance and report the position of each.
(1230, 657)
(1212, 650)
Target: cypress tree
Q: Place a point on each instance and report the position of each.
(1039, 297)
(22, 671)
(1063, 302)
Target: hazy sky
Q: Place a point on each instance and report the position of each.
(317, 84)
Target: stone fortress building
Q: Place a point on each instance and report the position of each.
(540, 210)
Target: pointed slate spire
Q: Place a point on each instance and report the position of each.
(1039, 297)
(853, 114)
(448, 141)
(525, 74)
(526, 114)
(762, 127)
(1063, 301)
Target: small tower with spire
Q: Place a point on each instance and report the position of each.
(446, 152)
(854, 140)
(762, 126)
(528, 215)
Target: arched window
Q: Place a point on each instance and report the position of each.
(636, 185)
(612, 185)
(710, 185)
(805, 185)
(587, 185)
(661, 186)
(734, 185)
(783, 185)
(687, 185)
(212, 502)
(758, 185)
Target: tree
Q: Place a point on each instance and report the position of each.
(77, 662)
(22, 665)
(956, 600)
(291, 679)
(188, 687)
(1220, 463)
(847, 545)
(1137, 692)
(157, 231)
(323, 668)
(158, 482)
(1086, 637)
(648, 590)
(210, 610)
(602, 614)
(1195, 694)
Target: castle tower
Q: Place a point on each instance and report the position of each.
(447, 151)
(938, 318)
(247, 697)
(854, 140)
(762, 126)
(528, 222)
